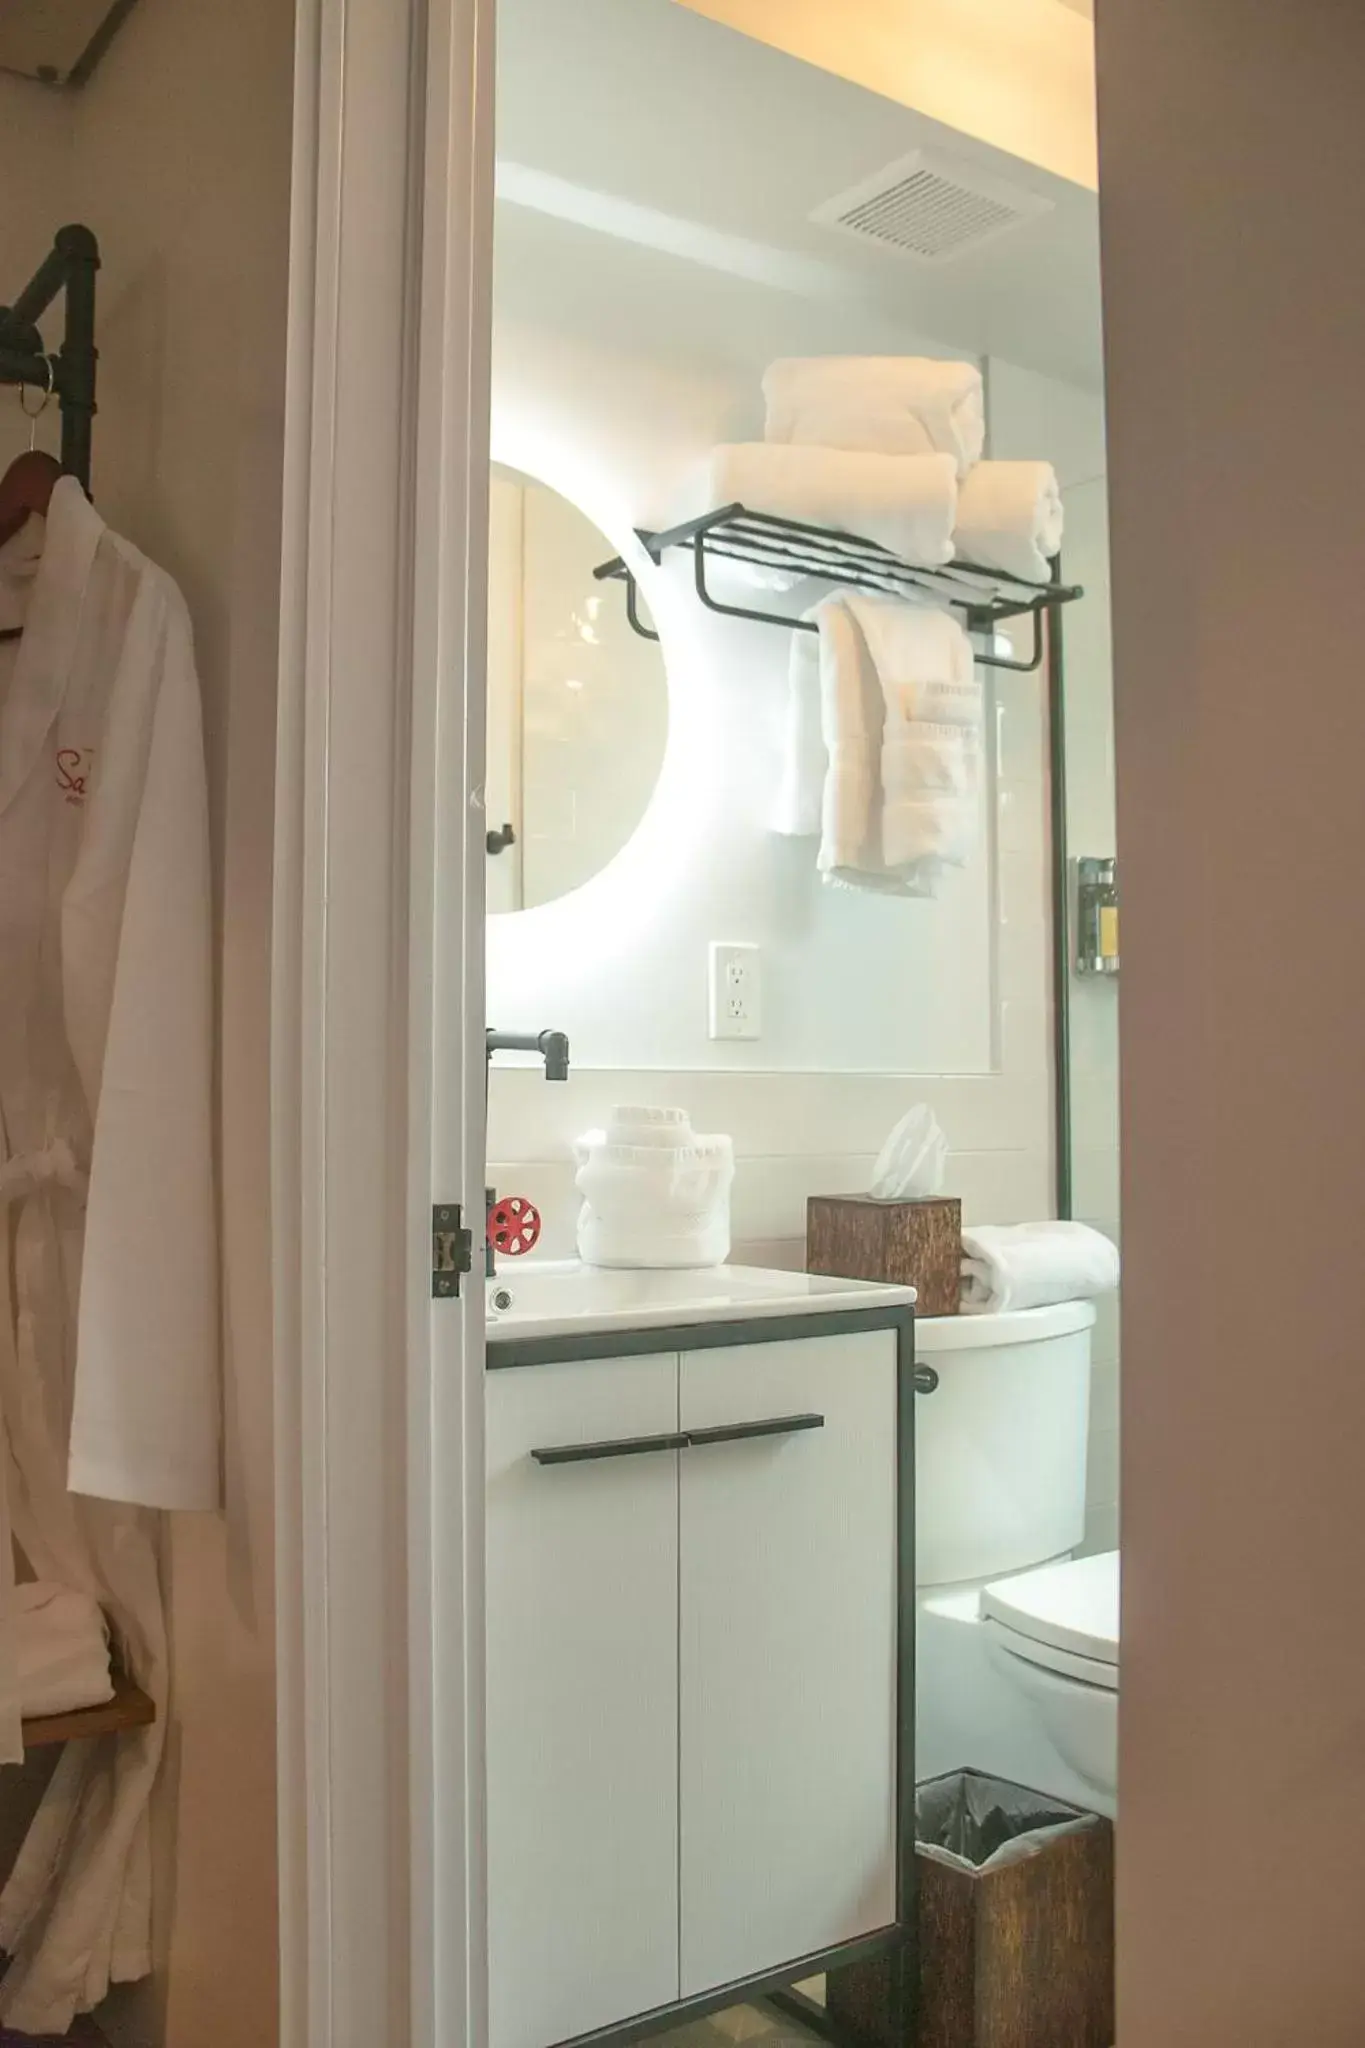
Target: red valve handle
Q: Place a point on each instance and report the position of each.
(514, 1226)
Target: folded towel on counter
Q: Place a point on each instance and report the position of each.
(1009, 517)
(893, 405)
(907, 503)
(62, 1644)
(882, 746)
(1031, 1265)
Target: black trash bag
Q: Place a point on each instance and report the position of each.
(978, 1823)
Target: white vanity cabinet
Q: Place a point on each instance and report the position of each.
(692, 1669)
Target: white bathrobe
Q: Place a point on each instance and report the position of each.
(108, 1313)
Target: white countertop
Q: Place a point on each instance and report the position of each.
(561, 1298)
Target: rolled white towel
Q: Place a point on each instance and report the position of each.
(62, 1644)
(891, 405)
(655, 1193)
(1031, 1265)
(907, 503)
(1009, 517)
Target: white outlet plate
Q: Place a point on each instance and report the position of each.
(736, 991)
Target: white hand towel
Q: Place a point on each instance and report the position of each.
(1009, 517)
(894, 405)
(890, 775)
(801, 782)
(63, 1650)
(931, 744)
(1031, 1265)
(907, 503)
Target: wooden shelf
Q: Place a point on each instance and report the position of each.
(129, 1708)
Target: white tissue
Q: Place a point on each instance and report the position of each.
(913, 1162)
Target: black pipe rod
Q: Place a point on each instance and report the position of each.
(1061, 909)
(78, 357)
(17, 366)
(41, 289)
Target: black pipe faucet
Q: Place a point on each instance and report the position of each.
(553, 1047)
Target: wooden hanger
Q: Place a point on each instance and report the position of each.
(25, 488)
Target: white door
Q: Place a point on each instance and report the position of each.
(787, 1596)
(582, 1713)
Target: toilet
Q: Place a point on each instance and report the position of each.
(1017, 1638)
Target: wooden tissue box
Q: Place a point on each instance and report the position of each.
(912, 1244)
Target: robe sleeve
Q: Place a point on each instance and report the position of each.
(146, 1411)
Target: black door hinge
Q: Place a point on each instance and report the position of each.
(452, 1250)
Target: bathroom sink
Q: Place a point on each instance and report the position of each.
(554, 1298)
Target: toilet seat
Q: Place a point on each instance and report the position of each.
(1061, 1617)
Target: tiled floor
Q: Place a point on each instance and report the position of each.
(742, 2027)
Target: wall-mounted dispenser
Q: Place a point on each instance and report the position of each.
(1097, 916)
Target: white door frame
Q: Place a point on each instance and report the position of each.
(377, 1053)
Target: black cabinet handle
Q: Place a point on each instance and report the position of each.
(615, 1447)
(740, 1432)
(926, 1379)
(498, 841)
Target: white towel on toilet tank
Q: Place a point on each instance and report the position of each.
(882, 746)
(907, 503)
(894, 405)
(1031, 1265)
(1009, 517)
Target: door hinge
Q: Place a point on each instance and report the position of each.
(452, 1249)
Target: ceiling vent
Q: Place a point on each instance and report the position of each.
(930, 208)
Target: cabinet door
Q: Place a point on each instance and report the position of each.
(787, 1590)
(582, 1699)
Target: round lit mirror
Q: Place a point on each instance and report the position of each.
(577, 701)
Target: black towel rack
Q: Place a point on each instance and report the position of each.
(69, 373)
(762, 540)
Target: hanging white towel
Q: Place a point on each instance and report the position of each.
(907, 503)
(63, 1650)
(931, 737)
(1009, 517)
(1031, 1265)
(892, 781)
(893, 405)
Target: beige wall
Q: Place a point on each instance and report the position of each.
(1018, 74)
(177, 154)
(1232, 169)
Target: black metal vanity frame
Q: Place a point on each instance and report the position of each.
(897, 1943)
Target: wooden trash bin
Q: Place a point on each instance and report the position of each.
(1015, 1924)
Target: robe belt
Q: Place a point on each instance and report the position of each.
(53, 1165)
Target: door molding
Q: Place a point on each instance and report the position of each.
(378, 1389)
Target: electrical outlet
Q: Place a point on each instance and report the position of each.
(736, 991)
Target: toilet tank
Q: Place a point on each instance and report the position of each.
(1000, 1448)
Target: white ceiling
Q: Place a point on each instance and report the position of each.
(662, 169)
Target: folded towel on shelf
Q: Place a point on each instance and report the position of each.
(882, 747)
(907, 503)
(1031, 1265)
(893, 405)
(62, 1645)
(1009, 517)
